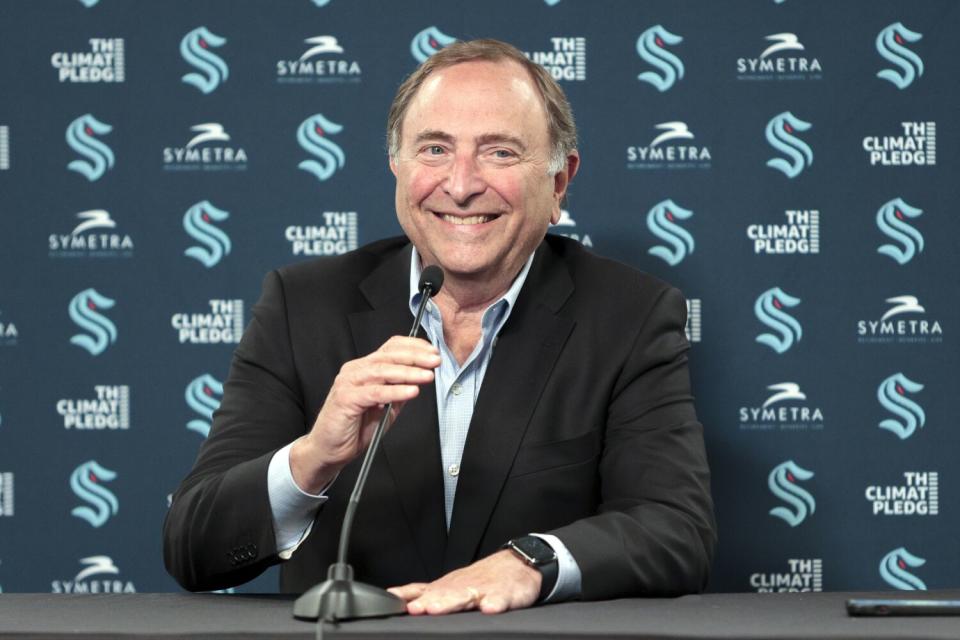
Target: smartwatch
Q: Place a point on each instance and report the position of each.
(539, 555)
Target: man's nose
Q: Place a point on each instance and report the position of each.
(464, 181)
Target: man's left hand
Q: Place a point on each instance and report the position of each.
(498, 583)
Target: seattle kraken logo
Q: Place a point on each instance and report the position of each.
(650, 46)
(891, 221)
(769, 310)
(89, 3)
(85, 483)
(203, 396)
(428, 42)
(893, 570)
(312, 136)
(195, 49)
(890, 45)
(661, 222)
(197, 224)
(80, 138)
(83, 311)
(780, 136)
(782, 483)
(892, 394)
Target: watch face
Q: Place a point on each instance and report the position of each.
(536, 550)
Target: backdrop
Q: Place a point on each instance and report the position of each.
(786, 164)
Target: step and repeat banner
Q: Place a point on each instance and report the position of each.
(791, 165)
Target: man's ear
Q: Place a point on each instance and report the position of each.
(393, 166)
(561, 181)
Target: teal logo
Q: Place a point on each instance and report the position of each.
(783, 484)
(81, 137)
(651, 46)
(428, 42)
(198, 222)
(662, 222)
(892, 221)
(211, 70)
(893, 570)
(86, 481)
(328, 157)
(780, 134)
(203, 396)
(892, 394)
(84, 310)
(891, 45)
(769, 309)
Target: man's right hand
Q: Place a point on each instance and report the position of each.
(356, 402)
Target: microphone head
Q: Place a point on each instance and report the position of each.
(431, 279)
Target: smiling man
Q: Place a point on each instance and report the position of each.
(544, 444)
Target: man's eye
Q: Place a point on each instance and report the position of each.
(435, 150)
(503, 153)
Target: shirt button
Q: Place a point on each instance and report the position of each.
(454, 470)
(457, 389)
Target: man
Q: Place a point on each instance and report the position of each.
(582, 447)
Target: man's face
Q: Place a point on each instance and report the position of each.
(473, 192)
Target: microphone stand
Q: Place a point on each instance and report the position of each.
(339, 597)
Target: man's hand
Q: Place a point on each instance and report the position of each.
(497, 583)
(356, 402)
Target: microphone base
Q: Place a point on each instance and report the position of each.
(339, 597)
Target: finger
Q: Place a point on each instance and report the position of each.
(416, 352)
(450, 601)
(492, 604)
(371, 396)
(387, 373)
(410, 591)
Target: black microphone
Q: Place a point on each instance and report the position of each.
(339, 597)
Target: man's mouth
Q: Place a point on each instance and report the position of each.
(466, 220)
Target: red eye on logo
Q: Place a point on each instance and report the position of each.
(898, 214)
(93, 478)
(319, 130)
(203, 43)
(659, 42)
(790, 477)
(787, 128)
(900, 390)
(434, 44)
(207, 390)
(88, 131)
(901, 564)
(669, 216)
(777, 304)
(206, 218)
(90, 305)
(897, 37)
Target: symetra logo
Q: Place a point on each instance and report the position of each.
(4, 147)
(428, 42)
(203, 396)
(892, 394)
(918, 495)
(782, 482)
(335, 236)
(203, 153)
(566, 60)
(211, 70)
(651, 46)
(93, 237)
(799, 235)
(104, 62)
(769, 309)
(694, 320)
(322, 62)
(785, 410)
(566, 227)
(893, 570)
(802, 575)
(891, 45)
(86, 483)
(80, 138)
(109, 409)
(223, 325)
(892, 329)
(662, 222)
(916, 147)
(780, 134)
(198, 223)
(92, 578)
(6, 494)
(8, 332)
(780, 60)
(84, 310)
(660, 155)
(328, 157)
(892, 221)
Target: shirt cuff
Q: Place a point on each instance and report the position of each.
(293, 508)
(568, 571)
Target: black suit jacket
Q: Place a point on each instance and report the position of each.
(584, 428)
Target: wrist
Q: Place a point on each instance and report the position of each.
(539, 556)
(309, 472)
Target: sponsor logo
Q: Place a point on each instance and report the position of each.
(109, 409)
(8, 332)
(214, 243)
(693, 325)
(769, 309)
(80, 138)
(223, 325)
(336, 235)
(918, 495)
(893, 570)
(565, 227)
(328, 157)
(892, 394)
(93, 578)
(202, 152)
(552, 3)
(321, 3)
(662, 222)
(917, 146)
(652, 47)
(661, 155)
(780, 135)
(780, 60)
(211, 70)
(6, 494)
(566, 59)
(428, 42)
(322, 62)
(4, 147)
(89, 3)
(84, 310)
(892, 221)
(800, 234)
(203, 396)
(104, 62)
(802, 575)
(784, 410)
(783, 484)
(91, 238)
(891, 45)
(891, 328)
(86, 481)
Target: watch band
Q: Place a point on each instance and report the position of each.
(537, 553)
